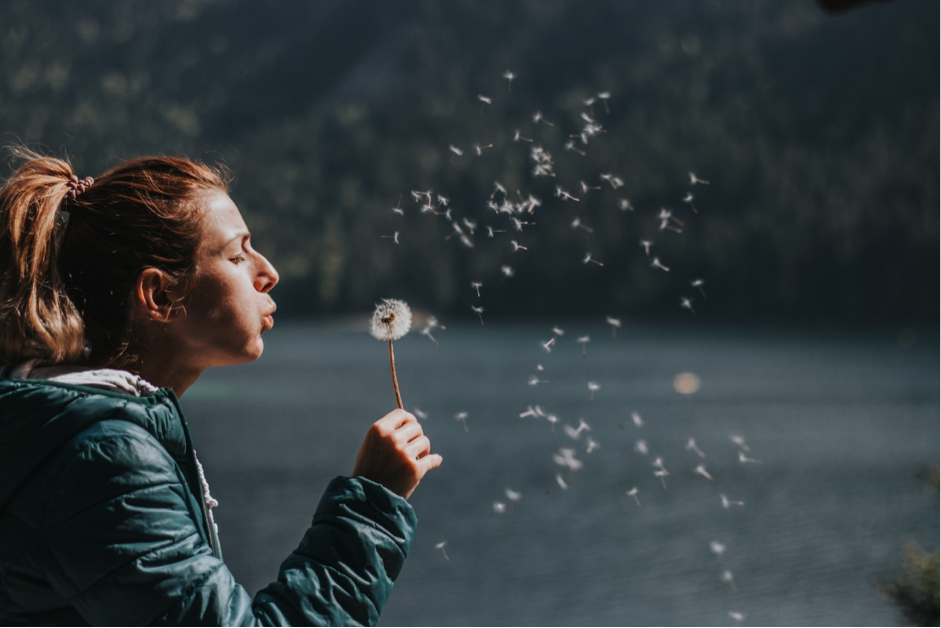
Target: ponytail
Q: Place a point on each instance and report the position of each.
(37, 319)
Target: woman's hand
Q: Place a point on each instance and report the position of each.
(396, 453)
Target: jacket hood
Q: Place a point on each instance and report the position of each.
(37, 417)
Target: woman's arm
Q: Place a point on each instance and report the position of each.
(125, 549)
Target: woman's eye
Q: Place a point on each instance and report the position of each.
(238, 259)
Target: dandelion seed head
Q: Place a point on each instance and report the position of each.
(391, 320)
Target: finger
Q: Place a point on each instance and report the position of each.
(395, 419)
(429, 462)
(418, 448)
(408, 432)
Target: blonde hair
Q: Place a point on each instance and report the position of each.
(68, 263)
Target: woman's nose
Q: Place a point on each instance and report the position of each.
(267, 276)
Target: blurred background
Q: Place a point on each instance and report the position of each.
(744, 192)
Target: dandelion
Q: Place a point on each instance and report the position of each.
(633, 493)
(509, 76)
(391, 320)
(440, 547)
(615, 326)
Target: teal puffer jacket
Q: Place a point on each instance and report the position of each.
(103, 522)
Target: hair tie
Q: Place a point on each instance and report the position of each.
(78, 186)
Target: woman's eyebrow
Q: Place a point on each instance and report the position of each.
(241, 235)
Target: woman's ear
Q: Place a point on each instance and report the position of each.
(154, 296)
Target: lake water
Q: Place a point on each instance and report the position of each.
(834, 424)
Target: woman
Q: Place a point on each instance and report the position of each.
(115, 294)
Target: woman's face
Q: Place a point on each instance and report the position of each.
(221, 319)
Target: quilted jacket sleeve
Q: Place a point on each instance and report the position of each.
(121, 532)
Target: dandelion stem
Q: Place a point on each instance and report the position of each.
(395, 381)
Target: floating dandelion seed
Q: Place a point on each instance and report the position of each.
(462, 417)
(603, 97)
(641, 447)
(591, 445)
(418, 412)
(593, 387)
(517, 136)
(657, 264)
(570, 145)
(577, 224)
(558, 331)
(739, 441)
(509, 76)
(646, 244)
(583, 341)
(499, 508)
(566, 458)
(535, 381)
(727, 578)
(431, 323)
(398, 208)
(635, 417)
(693, 179)
(512, 495)
(391, 320)
(440, 547)
(517, 246)
(615, 326)
(701, 470)
(476, 285)
(547, 345)
(698, 283)
(454, 149)
(560, 481)
(507, 272)
(588, 258)
(726, 502)
(480, 313)
(718, 549)
(537, 118)
(689, 199)
(687, 303)
(633, 493)
(625, 205)
(691, 446)
(736, 616)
